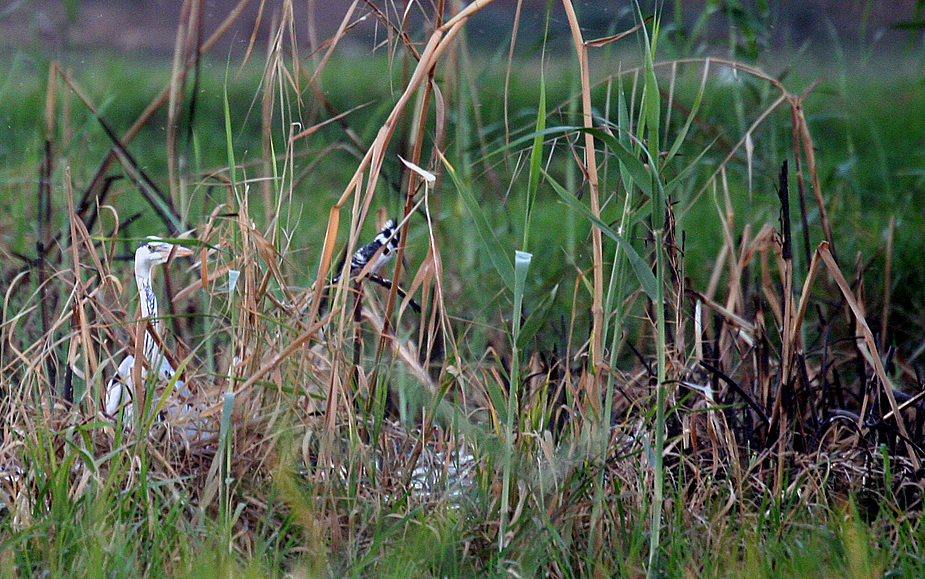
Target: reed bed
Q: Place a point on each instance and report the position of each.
(614, 416)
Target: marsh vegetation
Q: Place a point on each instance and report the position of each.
(670, 308)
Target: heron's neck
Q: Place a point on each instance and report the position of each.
(146, 292)
(148, 308)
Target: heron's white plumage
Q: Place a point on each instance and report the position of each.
(151, 252)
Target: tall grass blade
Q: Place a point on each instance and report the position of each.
(229, 142)
(522, 261)
(536, 151)
(642, 270)
(650, 110)
(490, 242)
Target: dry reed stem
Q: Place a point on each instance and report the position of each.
(271, 343)
(80, 237)
(870, 348)
(333, 41)
(799, 120)
(887, 280)
(436, 45)
(597, 256)
(177, 90)
(371, 163)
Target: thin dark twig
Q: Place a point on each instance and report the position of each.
(90, 219)
(153, 106)
(732, 384)
(882, 423)
(42, 246)
(151, 192)
(161, 203)
(357, 317)
(641, 358)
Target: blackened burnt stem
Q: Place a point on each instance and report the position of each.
(805, 222)
(42, 250)
(782, 194)
(738, 389)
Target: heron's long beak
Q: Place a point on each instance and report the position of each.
(181, 251)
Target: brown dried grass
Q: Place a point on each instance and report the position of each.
(756, 412)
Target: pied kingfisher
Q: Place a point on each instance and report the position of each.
(387, 239)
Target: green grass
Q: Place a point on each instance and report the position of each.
(869, 153)
(557, 409)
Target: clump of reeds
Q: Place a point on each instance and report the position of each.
(348, 433)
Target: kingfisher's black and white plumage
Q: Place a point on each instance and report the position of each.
(387, 240)
(370, 259)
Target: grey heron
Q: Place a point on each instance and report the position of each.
(151, 252)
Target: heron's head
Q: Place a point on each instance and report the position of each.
(153, 251)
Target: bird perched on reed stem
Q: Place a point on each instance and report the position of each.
(379, 250)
